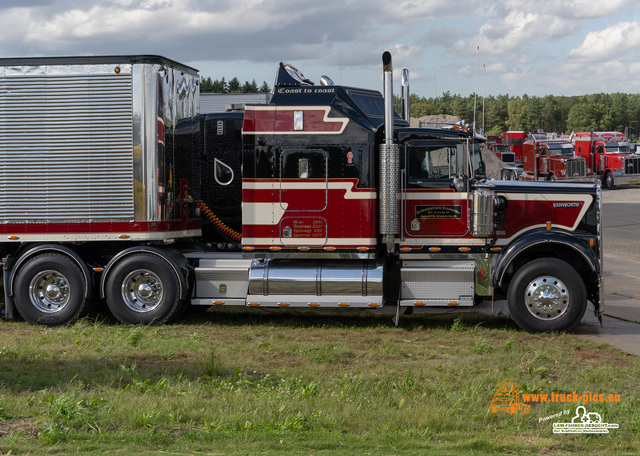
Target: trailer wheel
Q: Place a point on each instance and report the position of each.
(547, 295)
(50, 289)
(609, 182)
(143, 289)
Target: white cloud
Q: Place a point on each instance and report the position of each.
(609, 43)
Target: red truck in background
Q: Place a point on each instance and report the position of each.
(495, 145)
(551, 159)
(609, 158)
(515, 141)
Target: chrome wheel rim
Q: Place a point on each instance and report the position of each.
(547, 298)
(142, 291)
(49, 291)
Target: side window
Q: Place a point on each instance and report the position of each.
(431, 162)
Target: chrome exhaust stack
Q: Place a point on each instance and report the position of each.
(389, 164)
(406, 104)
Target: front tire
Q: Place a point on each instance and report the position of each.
(143, 289)
(609, 181)
(547, 295)
(50, 289)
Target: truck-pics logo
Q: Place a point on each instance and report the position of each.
(507, 399)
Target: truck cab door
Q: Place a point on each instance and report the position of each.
(431, 205)
(303, 197)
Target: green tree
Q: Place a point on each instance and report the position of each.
(516, 114)
(264, 88)
(584, 116)
(234, 86)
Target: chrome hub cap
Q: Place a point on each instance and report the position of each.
(142, 290)
(49, 291)
(547, 298)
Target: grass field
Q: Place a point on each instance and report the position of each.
(273, 383)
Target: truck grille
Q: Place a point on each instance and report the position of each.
(632, 165)
(66, 151)
(576, 167)
(509, 157)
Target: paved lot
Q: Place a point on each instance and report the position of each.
(621, 324)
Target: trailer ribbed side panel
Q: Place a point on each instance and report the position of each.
(66, 148)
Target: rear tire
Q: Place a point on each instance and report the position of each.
(50, 289)
(547, 295)
(143, 289)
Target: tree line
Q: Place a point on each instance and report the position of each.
(560, 114)
(208, 85)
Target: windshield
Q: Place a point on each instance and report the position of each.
(617, 148)
(560, 149)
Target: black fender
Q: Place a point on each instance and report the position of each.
(507, 256)
(44, 248)
(176, 260)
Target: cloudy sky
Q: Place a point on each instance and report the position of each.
(557, 47)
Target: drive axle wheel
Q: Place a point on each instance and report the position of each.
(50, 289)
(143, 289)
(547, 295)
